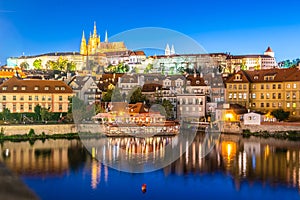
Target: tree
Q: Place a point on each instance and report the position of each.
(37, 112)
(168, 108)
(24, 65)
(148, 68)
(71, 66)
(113, 95)
(6, 114)
(45, 114)
(136, 96)
(280, 114)
(52, 65)
(37, 64)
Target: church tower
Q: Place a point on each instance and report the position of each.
(83, 47)
(172, 50)
(269, 52)
(167, 50)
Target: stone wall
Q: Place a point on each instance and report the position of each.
(270, 128)
(38, 129)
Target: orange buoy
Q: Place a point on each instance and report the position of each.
(144, 188)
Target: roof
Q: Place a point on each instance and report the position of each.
(269, 49)
(137, 53)
(107, 79)
(151, 87)
(248, 56)
(258, 76)
(195, 80)
(53, 54)
(15, 85)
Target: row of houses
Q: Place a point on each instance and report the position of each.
(192, 95)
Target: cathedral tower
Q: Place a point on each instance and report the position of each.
(83, 47)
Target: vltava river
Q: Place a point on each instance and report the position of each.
(236, 168)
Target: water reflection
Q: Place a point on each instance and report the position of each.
(269, 161)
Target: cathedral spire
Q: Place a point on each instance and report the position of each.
(83, 47)
(106, 37)
(95, 30)
(172, 50)
(167, 50)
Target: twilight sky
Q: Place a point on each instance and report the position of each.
(236, 26)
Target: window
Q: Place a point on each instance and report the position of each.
(234, 95)
(287, 95)
(4, 88)
(3, 107)
(60, 107)
(273, 105)
(240, 95)
(274, 96)
(294, 85)
(245, 95)
(253, 105)
(288, 105)
(268, 96)
(49, 98)
(230, 96)
(262, 96)
(23, 88)
(22, 98)
(234, 87)
(46, 88)
(4, 98)
(60, 98)
(267, 105)
(294, 105)
(14, 107)
(21, 107)
(294, 95)
(56, 88)
(279, 95)
(244, 86)
(36, 98)
(14, 98)
(62, 88)
(262, 105)
(30, 98)
(30, 107)
(240, 87)
(279, 86)
(253, 96)
(15, 88)
(43, 98)
(262, 87)
(274, 86)
(230, 86)
(255, 77)
(267, 86)
(36, 87)
(279, 104)
(253, 86)
(288, 86)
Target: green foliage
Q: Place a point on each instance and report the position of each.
(45, 114)
(37, 111)
(24, 65)
(280, 114)
(31, 133)
(120, 68)
(61, 64)
(82, 111)
(148, 68)
(113, 95)
(167, 108)
(37, 64)
(6, 115)
(136, 96)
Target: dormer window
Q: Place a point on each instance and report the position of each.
(23, 88)
(4, 88)
(197, 82)
(15, 88)
(36, 88)
(56, 88)
(255, 77)
(238, 77)
(47, 88)
(62, 88)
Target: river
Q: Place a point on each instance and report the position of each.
(236, 168)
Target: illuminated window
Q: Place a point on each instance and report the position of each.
(56, 88)
(294, 85)
(274, 96)
(63, 88)
(273, 105)
(294, 105)
(23, 88)
(294, 95)
(46, 88)
(234, 95)
(36, 88)
(253, 96)
(245, 96)
(230, 96)
(240, 95)
(288, 85)
(15, 88)
(268, 96)
(288, 105)
(288, 95)
(4, 88)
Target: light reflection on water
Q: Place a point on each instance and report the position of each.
(269, 162)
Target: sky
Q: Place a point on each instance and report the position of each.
(34, 27)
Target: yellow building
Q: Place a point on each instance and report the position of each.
(21, 96)
(266, 90)
(95, 46)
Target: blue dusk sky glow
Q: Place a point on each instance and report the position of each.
(237, 26)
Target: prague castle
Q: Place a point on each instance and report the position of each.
(95, 46)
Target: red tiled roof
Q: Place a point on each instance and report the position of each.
(269, 49)
(15, 85)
